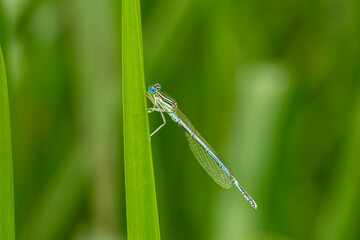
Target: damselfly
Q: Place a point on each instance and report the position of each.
(206, 155)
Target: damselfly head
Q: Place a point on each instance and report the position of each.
(155, 88)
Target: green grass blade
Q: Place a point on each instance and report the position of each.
(141, 207)
(7, 219)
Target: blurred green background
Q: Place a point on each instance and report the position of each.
(274, 87)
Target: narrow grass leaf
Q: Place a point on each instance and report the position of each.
(141, 206)
(7, 219)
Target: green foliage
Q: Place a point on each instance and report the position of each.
(7, 221)
(141, 206)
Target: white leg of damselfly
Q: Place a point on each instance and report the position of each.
(163, 117)
(158, 109)
(150, 110)
(150, 97)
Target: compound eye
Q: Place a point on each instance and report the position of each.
(157, 86)
(152, 90)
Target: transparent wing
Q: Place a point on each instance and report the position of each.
(208, 163)
(205, 160)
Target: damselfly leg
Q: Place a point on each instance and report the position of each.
(156, 108)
